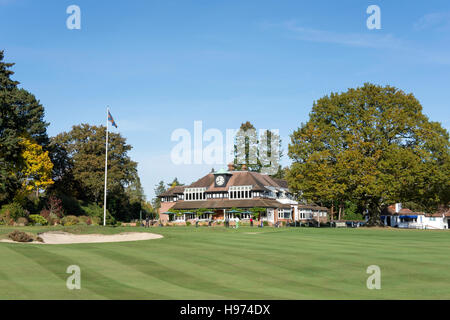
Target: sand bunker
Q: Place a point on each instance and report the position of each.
(57, 237)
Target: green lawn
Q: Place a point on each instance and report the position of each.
(249, 263)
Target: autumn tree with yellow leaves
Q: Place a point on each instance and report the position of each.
(36, 172)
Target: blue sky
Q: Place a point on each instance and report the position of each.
(161, 65)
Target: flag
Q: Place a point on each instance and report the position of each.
(110, 119)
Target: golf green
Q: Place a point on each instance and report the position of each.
(218, 263)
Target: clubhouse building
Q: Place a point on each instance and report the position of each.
(396, 216)
(230, 194)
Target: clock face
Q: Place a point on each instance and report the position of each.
(220, 180)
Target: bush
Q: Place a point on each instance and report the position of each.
(69, 221)
(52, 218)
(94, 210)
(36, 219)
(20, 236)
(22, 222)
(95, 220)
(265, 223)
(13, 211)
(188, 223)
(84, 220)
(54, 205)
(5, 219)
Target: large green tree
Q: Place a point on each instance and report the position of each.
(21, 115)
(82, 152)
(372, 145)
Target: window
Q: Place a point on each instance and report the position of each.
(240, 192)
(284, 213)
(194, 194)
(245, 215)
(179, 218)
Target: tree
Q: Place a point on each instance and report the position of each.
(371, 145)
(20, 115)
(245, 148)
(37, 168)
(160, 188)
(175, 183)
(148, 210)
(85, 148)
(255, 152)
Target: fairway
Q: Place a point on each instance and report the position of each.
(248, 263)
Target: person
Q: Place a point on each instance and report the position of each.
(227, 223)
(196, 223)
(251, 222)
(237, 222)
(147, 222)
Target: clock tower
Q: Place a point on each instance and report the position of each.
(221, 178)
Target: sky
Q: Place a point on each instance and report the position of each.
(161, 65)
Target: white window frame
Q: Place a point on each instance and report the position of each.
(240, 192)
(194, 194)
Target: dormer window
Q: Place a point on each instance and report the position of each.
(240, 192)
(194, 194)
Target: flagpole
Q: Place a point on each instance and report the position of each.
(106, 168)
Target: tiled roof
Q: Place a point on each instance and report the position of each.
(228, 204)
(258, 181)
(390, 211)
(173, 191)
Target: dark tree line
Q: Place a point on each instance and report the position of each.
(77, 159)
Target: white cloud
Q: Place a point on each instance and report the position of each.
(415, 52)
(369, 40)
(439, 21)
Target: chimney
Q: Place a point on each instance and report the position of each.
(398, 207)
(231, 167)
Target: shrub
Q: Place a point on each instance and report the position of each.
(188, 223)
(85, 220)
(38, 220)
(13, 211)
(265, 223)
(69, 221)
(54, 205)
(52, 218)
(5, 219)
(22, 222)
(94, 210)
(95, 220)
(20, 236)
